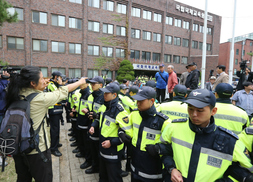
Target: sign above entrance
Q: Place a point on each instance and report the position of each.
(146, 67)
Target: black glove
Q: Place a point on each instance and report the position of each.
(124, 137)
(153, 150)
(249, 178)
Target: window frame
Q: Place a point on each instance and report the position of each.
(194, 44)
(135, 30)
(122, 5)
(120, 49)
(107, 52)
(155, 37)
(72, 1)
(34, 11)
(156, 17)
(176, 22)
(76, 23)
(146, 32)
(176, 56)
(89, 21)
(134, 9)
(135, 51)
(169, 56)
(156, 54)
(58, 20)
(39, 44)
(167, 38)
(58, 47)
(92, 3)
(168, 22)
(177, 40)
(108, 5)
(107, 25)
(184, 41)
(93, 50)
(15, 10)
(146, 17)
(186, 25)
(75, 44)
(144, 54)
(121, 29)
(182, 62)
(15, 43)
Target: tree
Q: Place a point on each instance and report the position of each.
(5, 16)
(126, 71)
(3, 63)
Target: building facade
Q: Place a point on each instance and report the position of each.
(73, 35)
(243, 45)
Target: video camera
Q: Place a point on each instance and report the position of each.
(12, 71)
(243, 65)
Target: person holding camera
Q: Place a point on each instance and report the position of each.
(244, 74)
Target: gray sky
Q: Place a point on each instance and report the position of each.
(225, 8)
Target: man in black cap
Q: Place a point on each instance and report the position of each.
(108, 80)
(55, 114)
(147, 125)
(175, 109)
(192, 80)
(195, 149)
(228, 115)
(161, 83)
(110, 146)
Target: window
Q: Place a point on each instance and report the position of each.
(15, 43)
(251, 43)
(235, 71)
(146, 35)
(147, 15)
(186, 24)
(62, 70)
(75, 23)
(208, 47)
(20, 12)
(121, 8)
(195, 44)
(168, 39)
(120, 53)
(40, 45)
(58, 47)
(146, 55)
(108, 5)
(209, 31)
(184, 60)
(200, 45)
(135, 54)
(93, 26)
(1, 41)
(39, 17)
(107, 51)
(93, 50)
(167, 58)
(236, 61)
(76, 1)
(243, 52)
(74, 48)
(201, 29)
(169, 20)
(107, 28)
(176, 59)
(156, 56)
(92, 73)
(58, 20)
(108, 73)
(136, 12)
(237, 51)
(75, 73)
(156, 37)
(185, 42)
(44, 72)
(135, 33)
(177, 41)
(121, 31)
(94, 3)
(195, 27)
(177, 22)
(157, 17)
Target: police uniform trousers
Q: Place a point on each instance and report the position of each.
(109, 171)
(136, 178)
(94, 149)
(74, 126)
(84, 144)
(160, 92)
(32, 166)
(54, 130)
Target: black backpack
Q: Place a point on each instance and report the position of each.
(17, 135)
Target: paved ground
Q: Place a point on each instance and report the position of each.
(67, 167)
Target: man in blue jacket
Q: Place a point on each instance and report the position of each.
(161, 83)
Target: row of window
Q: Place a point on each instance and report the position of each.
(168, 58)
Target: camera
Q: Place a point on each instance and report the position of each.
(243, 65)
(12, 71)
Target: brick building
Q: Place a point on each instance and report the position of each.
(243, 45)
(71, 35)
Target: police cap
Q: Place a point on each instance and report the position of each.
(96, 79)
(201, 98)
(180, 90)
(145, 93)
(134, 89)
(224, 90)
(151, 83)
(111, 88)
(57, 73)
(108, 80)
(123, 87)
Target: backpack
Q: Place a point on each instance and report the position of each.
(17, 135)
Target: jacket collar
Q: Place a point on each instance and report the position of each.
(150, 112)
(210, 128)
(223, 100)
(178, 98)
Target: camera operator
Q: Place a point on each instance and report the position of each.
(3, 85)
(246, 75)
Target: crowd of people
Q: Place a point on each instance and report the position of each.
(195, 135)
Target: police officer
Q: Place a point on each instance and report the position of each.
(108, 80)
(228, 115)
(196, 149)
(110, 146)
(175, 109)
(152, 83)
(95, 101)
(55, 113)
(147, 125)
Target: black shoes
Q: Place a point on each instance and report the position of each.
(79, 155)
(70, 129)
(76, 150)
(91, 170)
(59, 145)
(56, 153)
(71, 134)
(85, 165)
(124, 174)
(73, 144)
(72, 139)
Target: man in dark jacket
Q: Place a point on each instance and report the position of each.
(193, 78)
(247, 76)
